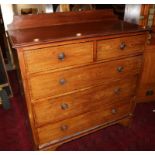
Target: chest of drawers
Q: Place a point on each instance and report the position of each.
(77, 84)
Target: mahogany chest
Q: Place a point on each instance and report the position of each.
(79, 71)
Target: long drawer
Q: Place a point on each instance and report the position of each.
(58, 57)
(77, 103)
(118, 47)
(57, 83)
(74, 126)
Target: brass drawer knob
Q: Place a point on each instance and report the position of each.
(122, 45)
(62, 81)
(64, 106)
(64, 127)
(120, 69)
(61, 56)
(149, 92)
(113, 111)
(117, 91)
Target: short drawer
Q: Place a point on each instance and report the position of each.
(82, 123)
(61, 82)
(77, 103)
(58, 56)
(118, 47)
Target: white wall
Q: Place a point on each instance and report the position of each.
(132, 13)
(7, 13)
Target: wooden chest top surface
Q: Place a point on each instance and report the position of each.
(26, 37)
(45, 28)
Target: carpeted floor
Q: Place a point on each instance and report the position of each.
(15, 131)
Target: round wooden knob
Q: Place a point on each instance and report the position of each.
(113, 111)
(64, 106)
(62, 81)
(61, 56)
(117, 90)
(64, 127)
(122, 45)
(120, 69)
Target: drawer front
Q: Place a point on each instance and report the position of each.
(62, 82)
(103, 114)
(58, 57)
(124, 46)
(71, 105)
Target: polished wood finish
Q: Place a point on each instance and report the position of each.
(59, 18)
(126, 122)
(48, 34)
(69, 127)
(54, 147)
(123, 46)
(76, 78)
(146, 91)
(62, 82)
(58, 56)
(27, 97)
(144, 13)
(67, 106)
(47, 27)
